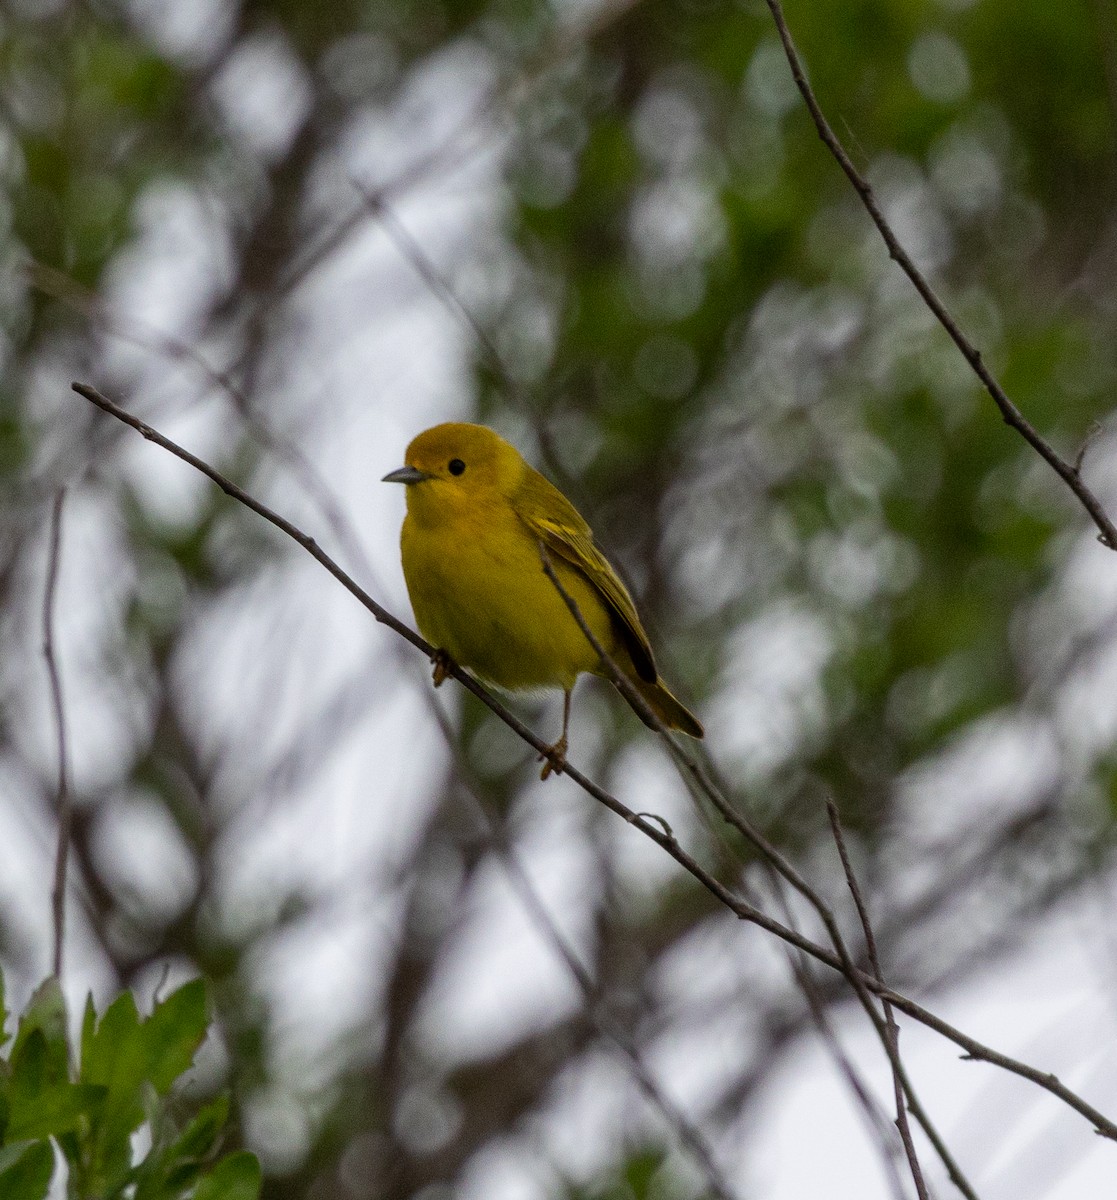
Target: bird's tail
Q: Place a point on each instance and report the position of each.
(673, 713)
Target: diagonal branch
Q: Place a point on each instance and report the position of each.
(463, 142)
(1068, 472)
(779, 868)
(648, 826)
(689, 1135)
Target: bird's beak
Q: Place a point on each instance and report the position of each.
(406, 475)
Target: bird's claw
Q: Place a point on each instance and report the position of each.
(553, 758)
(442, 664)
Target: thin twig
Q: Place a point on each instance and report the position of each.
(1091, 434)
(443, 291)
(954, 1171)
(62, 798)
(1011, 414)
(132, 329)
(769, 852)
(689, 1135)
(892, 1030)
(736, 904)
(453, 150)
(425, 268)
(779, 868)
(750, 832)
(875, 1118)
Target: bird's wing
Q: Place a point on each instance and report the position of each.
(551, 518)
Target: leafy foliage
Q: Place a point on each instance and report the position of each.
(122, 1083)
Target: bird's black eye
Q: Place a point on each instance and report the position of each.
(456, 466)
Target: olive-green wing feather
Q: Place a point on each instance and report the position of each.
(551, 518)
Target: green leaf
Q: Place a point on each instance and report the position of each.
(45, 1016)
(116, 1059)
(641, 1170)
(113, 1059)
(236, 1177)
(173, 1166)
(173, 1033)
(38, 1103)
(199, 1138)
(102, 1060)
(134, 1061)
(53, 1110)
(25, 1171)
(30, 1071)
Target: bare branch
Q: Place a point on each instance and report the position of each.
(663, 838)
(1011, 414)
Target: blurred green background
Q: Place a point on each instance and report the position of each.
(293, 236)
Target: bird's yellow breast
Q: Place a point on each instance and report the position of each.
(477, 586)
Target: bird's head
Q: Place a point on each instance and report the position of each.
(455, 466)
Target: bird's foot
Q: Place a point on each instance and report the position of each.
(554, 758)
(443, 664)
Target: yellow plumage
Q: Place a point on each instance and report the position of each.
(476, 516)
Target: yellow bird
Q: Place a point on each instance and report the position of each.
(479, 522)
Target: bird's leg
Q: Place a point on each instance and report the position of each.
(442, 662)
(554, 757)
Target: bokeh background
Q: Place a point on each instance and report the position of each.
(292, 236)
